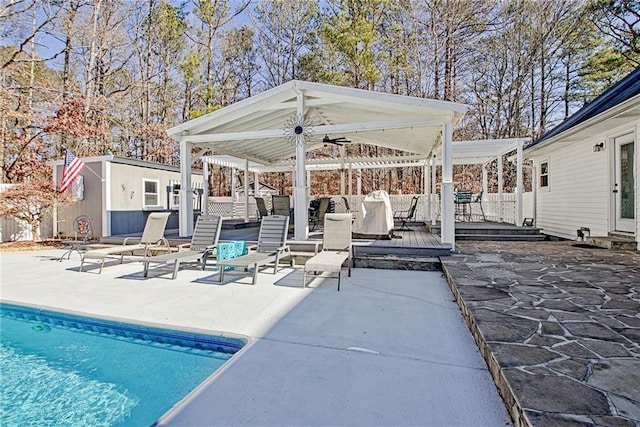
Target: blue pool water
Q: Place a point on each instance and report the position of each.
(64, 370)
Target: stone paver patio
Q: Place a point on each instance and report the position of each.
(559, 326)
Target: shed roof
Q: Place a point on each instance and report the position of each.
(261, 128)
(624, 90)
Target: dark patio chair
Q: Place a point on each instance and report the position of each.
(463, 200)
(316, 217)
(262, 207)
(404, 216)
(281, 205)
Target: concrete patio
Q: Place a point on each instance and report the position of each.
(391, 348)
(558, 326)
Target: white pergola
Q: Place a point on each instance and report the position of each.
(473, 152)
(285, 122)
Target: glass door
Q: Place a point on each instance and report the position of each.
(623, 187)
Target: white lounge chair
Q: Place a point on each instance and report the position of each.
(271, 248)
(203, 242)
(152, 237)
(336, 248)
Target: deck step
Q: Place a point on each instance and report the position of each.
(400, 251)
(502, 237)
(491, 231)
(393, 262)
(524, 231)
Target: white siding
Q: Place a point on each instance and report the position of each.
(578, 194)
(637, 177)
(580, 184)
(127, 188)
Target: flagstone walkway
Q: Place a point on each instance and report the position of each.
(558, 325)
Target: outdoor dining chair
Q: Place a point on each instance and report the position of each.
(83, 229)
(281, 205)
(406, 215)
(317, 216)
(262, 207)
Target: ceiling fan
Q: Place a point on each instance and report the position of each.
(341, 140)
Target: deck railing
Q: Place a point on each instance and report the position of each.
(494, 209)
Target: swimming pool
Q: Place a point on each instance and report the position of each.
(62, 369)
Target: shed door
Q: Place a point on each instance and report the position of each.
(623, 187)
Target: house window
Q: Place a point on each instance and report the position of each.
(544, 174)
(151, 193)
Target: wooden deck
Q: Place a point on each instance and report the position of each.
(417, 243)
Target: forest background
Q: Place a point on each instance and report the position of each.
(110, 76)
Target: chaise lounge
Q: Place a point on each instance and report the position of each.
(152, 237)
(203, 242)
(336, 248)
(271, 248)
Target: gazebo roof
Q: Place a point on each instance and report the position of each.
(260, 128)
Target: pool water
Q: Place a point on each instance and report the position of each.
(64, 370)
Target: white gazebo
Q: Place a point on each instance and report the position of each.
(285, 122)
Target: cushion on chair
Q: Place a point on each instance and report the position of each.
(327, 261)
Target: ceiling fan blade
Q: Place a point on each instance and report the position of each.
(336, 141)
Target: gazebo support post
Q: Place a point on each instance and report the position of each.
(447, 212)
(300, 202)
(246, 190)
(185, 227)
(433, 186)
(500, 181)
(426, 173)
(256, 184)
(205, 188)
(519, 185)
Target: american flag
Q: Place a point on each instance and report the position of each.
(72, 168)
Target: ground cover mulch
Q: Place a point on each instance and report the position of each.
(32, 246)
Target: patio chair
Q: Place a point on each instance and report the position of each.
(281, 205)
(406, 215)
(271, 248)
(478, 199)
(203, 242)
(83, 229)
(462, 200)
(262, 207)
(317, 216)
(152, 237)
(336, 248)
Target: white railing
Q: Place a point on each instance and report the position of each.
(494, 210)
(226, 207)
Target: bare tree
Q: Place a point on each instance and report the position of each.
(285, 30)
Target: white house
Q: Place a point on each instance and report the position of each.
(587, 170)
(118, 193)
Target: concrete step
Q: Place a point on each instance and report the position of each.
(610, 242)
(622, 236)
